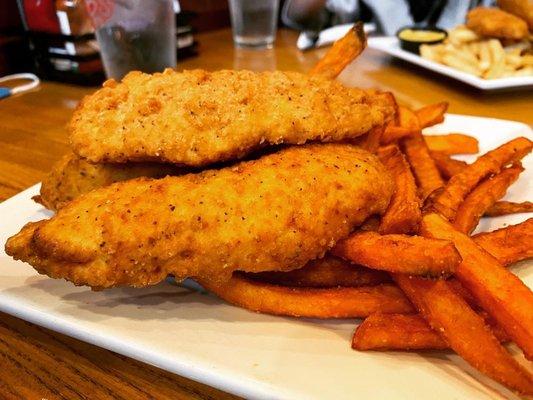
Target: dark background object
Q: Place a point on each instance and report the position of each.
(14, 51)
(210, 14)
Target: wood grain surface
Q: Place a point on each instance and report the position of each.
(36, 363)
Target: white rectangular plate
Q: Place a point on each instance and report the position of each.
(197, 336)
(391, 45)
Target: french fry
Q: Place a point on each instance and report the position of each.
(527, 60)
(446, 165)
(432, 114)
(447, 202)
(454, 60)
(497, 55)
(510, 244)
(403, 213)
(473, 48)
(464, 53)
(514, 51)
(405, 332)
(526, 71)
(513, 60)
(483, 197)
(399, 253)
(426, 173)
(505, 297)
(461, 34)
(464, 330)
(309, 302)
(326, 272)
(452, 143)
(509, 207)
(484, 56)
(342, 53)
(428, 52)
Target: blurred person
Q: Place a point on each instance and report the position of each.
(312, 16)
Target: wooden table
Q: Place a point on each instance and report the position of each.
(37, 363)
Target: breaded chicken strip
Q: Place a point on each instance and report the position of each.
(272, 214)
(521, 8)
(496, 23)
(72, 176)
(197, 118)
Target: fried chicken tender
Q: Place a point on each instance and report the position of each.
(271, 214)
(496, 23)
(197, 118)
(521, 8)
(73, 176)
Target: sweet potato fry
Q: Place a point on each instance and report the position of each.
(371, 224)
(310, 302)
(342, 53)
(465, 294)
(483, 197)
(432, 114)
(505, 297)
(405, 124)
(371, 140)
(452, 143)
(459, 185)
(407, 119)
(329, 271)
(464, 330)
(446, 165)
(510, 244)
(405, 332)
(509, 207)
(426, 173)
(403, 214)
(394, 133)
(399, 253)
(396, 332)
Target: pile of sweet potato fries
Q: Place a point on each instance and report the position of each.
(416, 275)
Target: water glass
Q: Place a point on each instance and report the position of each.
(254, 22)
(134, 35)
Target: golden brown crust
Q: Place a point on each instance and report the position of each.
(197, 117)
(496, 23)
(520, 8)
(329, 271)
(275, 213)
(73, 176)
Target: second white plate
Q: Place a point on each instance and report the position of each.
(391, 45)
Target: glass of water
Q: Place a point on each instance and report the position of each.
(254, 22)
(134, 35)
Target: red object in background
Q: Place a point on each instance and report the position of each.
(41, 16)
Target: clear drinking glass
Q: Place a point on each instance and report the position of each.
(134, 35)
(254, 22)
